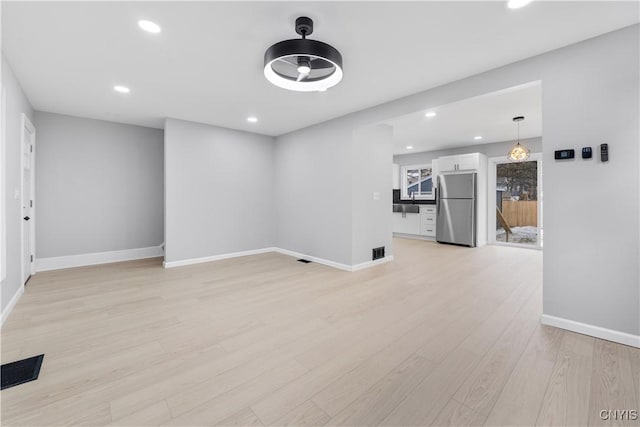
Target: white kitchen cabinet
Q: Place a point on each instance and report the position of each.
(462, 162)
(408, 223)
(428, 220)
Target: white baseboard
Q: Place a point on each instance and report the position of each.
(591, 330)
(192, 261)
(414, 237)
(56, 263)
(368, 264)
(287, 252)
(323, 261)
(14, 300)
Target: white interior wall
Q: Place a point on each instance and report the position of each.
(16, 105)
(99, 186)
(313, 193)
(219, 192)
(371, 192)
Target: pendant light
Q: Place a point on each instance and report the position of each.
(519, 153)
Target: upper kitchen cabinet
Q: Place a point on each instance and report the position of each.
(462, 162)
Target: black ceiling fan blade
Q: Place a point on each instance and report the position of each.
(293, 60)
(319, 64)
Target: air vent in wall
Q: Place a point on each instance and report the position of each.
(378, 253)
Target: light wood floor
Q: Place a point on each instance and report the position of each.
(442, 336)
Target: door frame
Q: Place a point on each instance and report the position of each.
(27, 125)
(491, 214)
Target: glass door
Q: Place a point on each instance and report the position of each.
(517, 192)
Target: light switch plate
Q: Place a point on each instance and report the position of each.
(376, 195)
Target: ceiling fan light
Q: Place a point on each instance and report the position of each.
(304, 69)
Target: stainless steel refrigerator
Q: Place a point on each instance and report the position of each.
(456, 209)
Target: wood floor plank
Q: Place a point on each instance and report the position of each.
(379, 400)
(153, 415)
(566, 399)
(244, 417)
(457, 415)
(481, 390)
(522, 395)
(612, 386)
(424, 403)
(305, 414)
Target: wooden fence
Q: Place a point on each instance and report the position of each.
(520, 213)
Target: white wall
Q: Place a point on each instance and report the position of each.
(99, 186)
(16, 104)
(495, 149)
(219, 191)
(589, 96)
(313, 193)
(371, 167)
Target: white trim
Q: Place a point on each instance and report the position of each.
(591, 330)
(340, 266)
(414, 236)
(56, 263)
(14, 300)
(26, 124)
(3, 183)
(323, 261)
(191, 261)
(368, 264)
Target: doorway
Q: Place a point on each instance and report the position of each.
(515, 193)
(28, 197)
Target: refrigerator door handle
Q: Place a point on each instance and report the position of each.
(438, 195)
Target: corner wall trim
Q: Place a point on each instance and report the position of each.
(14, 300)
(191, 261)
(57, 263)
(591, 330)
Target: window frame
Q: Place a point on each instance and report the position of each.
(404, 183)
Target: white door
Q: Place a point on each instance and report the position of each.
(28, 141)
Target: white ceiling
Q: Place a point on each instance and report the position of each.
(206, 65)
(456, 125)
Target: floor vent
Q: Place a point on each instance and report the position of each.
(378, 253)
(21, 371)
(306, 261)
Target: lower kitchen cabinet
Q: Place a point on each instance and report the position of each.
(428, 220)
(418, 224)
(406, 223)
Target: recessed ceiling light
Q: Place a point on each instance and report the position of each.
(477, 137)
(148, 26)
(121, 89)
(430, 114)
(517, 4)
(252, 119)
(409, 147)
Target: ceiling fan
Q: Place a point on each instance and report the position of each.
(303, 65)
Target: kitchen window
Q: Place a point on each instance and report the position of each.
(416, 182)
